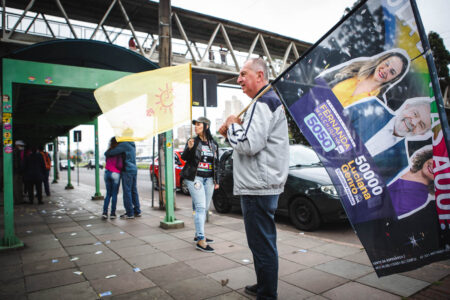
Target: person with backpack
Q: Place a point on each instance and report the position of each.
(114, 167)
(48, 166)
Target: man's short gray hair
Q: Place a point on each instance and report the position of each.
(258, 64)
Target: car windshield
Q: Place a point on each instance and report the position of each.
(302, 156)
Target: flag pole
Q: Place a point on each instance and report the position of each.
(268, 87)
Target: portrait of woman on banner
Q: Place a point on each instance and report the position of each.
(364, 77)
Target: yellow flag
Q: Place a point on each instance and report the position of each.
(144, 104)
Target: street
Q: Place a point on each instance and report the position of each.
(340, 232)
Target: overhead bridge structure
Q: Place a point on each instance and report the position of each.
(196, 38)
(55, 53)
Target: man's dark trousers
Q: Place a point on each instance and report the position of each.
(258, 212)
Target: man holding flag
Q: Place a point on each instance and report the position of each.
(261, 165)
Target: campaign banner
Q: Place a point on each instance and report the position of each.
(363, 98)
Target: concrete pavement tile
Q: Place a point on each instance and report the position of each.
(114, 236)
(52, 279)
(125, 283)
(344, 268)
(93, 258)
(56, 226)
(227, 247)
(237, 277)
(36, 228)
(317, 297)
(167, 274)
(157, 238)
(13, 289)
(308, 258)
(188, 253)
(41, 245)
(10, 258)
(200, 287)
(286, 267)
(303, 242)
(336, 250)
(81, 233)
(101, 270)
(231, 223)
(48, 254)
(229, 296)
(45, 266)
(96, 223)
(78, 241)
(76, 250)
(314, 280)
(103, 230)
(287, 249)
(84, 217)
(288, 291)
(212, 264)
(217, 229)
(357, 291)
(360, 258)
(172, 245)
(242, 242)
(149, 261)
(397, 284)
(242, 257)
(75, 291)
(143, 232)
(32, 239)
(151, 293)
(136, 250)
(185, 234)
(125, 243)
(231, 235)
(429, 273)
(63, 229)
(11, 272)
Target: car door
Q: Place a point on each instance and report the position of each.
(226, 173)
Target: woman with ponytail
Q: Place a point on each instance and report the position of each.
(201, 176)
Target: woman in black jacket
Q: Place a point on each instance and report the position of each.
(201, 155)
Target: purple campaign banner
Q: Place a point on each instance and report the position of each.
(361, 97)
(320, 117)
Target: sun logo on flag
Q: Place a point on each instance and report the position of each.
(165, 98)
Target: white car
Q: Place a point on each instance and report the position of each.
(63, 165)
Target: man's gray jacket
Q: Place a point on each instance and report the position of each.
(261, 148)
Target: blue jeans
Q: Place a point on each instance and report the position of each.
(130, 194)
(112, 182)
(201, 190)
(258, 212)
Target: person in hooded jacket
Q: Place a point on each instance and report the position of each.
(200, 173)
(129, 179)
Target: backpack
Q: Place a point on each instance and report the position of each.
(47, 160)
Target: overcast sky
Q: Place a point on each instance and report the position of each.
(301, 19)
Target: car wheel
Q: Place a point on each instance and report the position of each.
(221, 202)
(304, 214)
(184, 188)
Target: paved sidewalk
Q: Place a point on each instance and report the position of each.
(71, 253)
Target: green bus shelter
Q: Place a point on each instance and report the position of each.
(47, 90)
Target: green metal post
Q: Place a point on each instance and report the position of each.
(170, 221)
(98, 194)
(69, 185)
(9, 240)
(55, 161)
